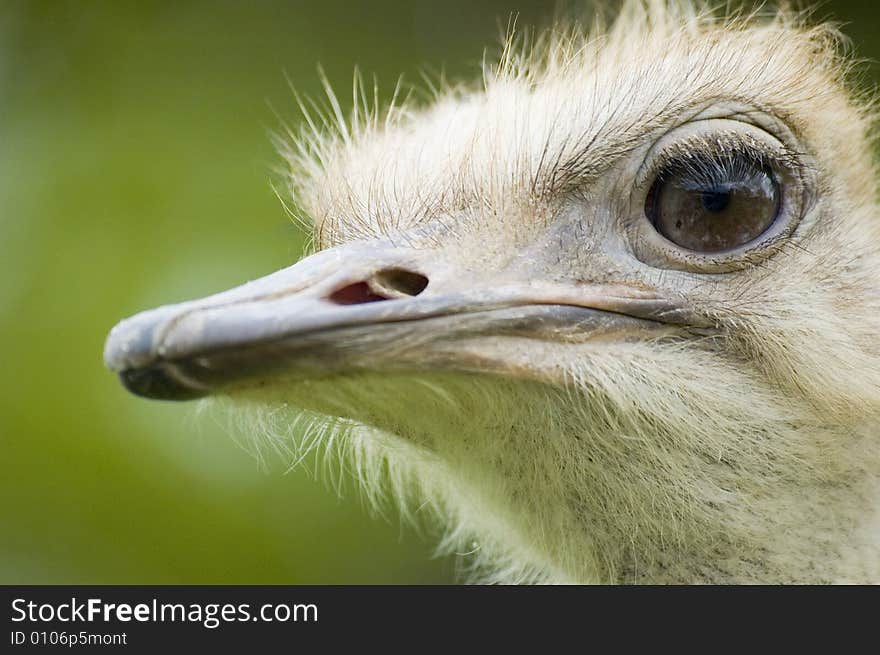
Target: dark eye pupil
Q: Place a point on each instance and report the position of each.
(714, 206)
(716, 200)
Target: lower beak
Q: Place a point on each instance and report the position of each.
(367, 305)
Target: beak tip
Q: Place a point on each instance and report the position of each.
(130, 344)
(132, 353)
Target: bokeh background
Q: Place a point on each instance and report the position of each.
(135, 170)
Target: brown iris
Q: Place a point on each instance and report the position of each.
(714, 204)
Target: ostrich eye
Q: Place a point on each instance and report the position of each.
(714, 203)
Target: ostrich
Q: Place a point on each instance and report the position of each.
(610, 314)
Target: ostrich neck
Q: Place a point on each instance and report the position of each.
(545, 486)
(818, 535)
(807, 529)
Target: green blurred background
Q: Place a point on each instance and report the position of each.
(135, 170)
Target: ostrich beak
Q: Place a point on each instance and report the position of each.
(366, 305)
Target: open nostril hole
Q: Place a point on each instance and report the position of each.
(387, 284)
(399, 282)
(355, 294)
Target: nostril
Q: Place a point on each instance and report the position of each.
(398, 282)
(387, 284)
(355, 294)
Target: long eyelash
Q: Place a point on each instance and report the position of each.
(709, 171)
(725, 157)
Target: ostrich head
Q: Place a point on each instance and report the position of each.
(612, 313)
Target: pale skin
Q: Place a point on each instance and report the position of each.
(611, 316)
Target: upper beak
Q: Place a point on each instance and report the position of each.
(363, 305)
